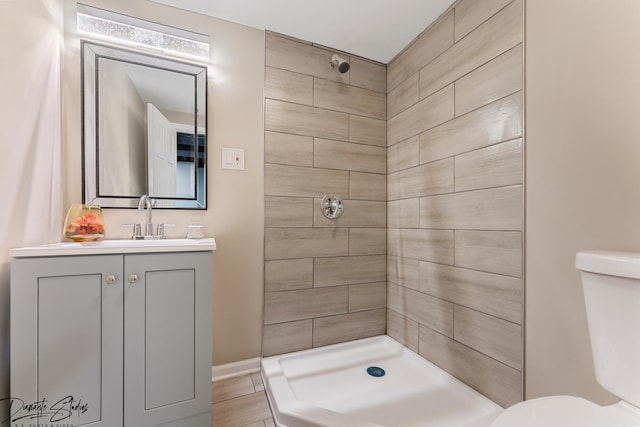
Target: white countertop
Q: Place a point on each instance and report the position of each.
(102, 247)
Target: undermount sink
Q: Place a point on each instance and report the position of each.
(116, 246)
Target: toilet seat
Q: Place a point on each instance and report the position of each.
(567, 411)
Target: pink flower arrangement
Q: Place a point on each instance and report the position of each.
(85, 225)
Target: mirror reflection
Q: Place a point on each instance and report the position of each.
(144, 129)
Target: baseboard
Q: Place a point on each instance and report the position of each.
(235, 369)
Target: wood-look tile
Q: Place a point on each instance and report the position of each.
(287, 337)
(404, 272)
(269, 422)
(288, 86)
(425, 245)
(496, 79)
(494, 294)
(424, 180)
(494, 337)
(288, 275)
(498, 165)
(497, 381)
(349, 99)
(403, 96)
(426, 114)
(256, 424)
(296, 181)
(422, 308)
(367, 186)
(288, 212)
(349, 270)
(356, 213)
(365, 130)
(282, 243)
(435, 40)
(256, 379)
(403, 213)
(231, 388)
(349, 156)
(471, 13)
(285, 53)
(348, 327)
(367, 241)
(286, 117)
(288, 306)
(497, 35)
(286, 149)
(494, 209)
(368, 75)
(403, 155)
(403, 330)
(241, 411)
(492, 251)
(497, 122)
(367, 296)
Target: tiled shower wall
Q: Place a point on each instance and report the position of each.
(325, 133)
(455, 195)
(428, 157)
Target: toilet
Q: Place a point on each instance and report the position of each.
(611, 286)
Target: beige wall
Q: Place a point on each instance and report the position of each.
(125, 122)
(325, 134)
(31, 36)
(582, 174)
(235, 199)
(455, 196)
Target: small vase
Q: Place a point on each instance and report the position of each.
(84, 223)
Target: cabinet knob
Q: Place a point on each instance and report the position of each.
(133, 278)
(110, 279)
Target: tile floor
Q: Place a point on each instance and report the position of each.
(240, 402)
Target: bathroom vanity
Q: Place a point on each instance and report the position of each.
(112, 333)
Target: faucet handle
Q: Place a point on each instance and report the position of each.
(148, 231)
(136, 232)
(161, 227)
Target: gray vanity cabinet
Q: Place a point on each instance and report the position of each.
(167, 340)
(112, 340)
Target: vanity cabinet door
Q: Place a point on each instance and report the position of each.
(66, 341)
(167, 331)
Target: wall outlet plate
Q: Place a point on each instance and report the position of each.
(233, 158)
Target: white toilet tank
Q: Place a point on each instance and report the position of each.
(611, 284)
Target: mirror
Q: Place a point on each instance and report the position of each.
(144, 129)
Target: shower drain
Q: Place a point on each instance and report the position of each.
(375, 371)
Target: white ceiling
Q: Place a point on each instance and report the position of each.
(373, 29)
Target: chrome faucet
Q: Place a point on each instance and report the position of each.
(145, 203)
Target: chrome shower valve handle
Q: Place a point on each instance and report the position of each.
(331, 206)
